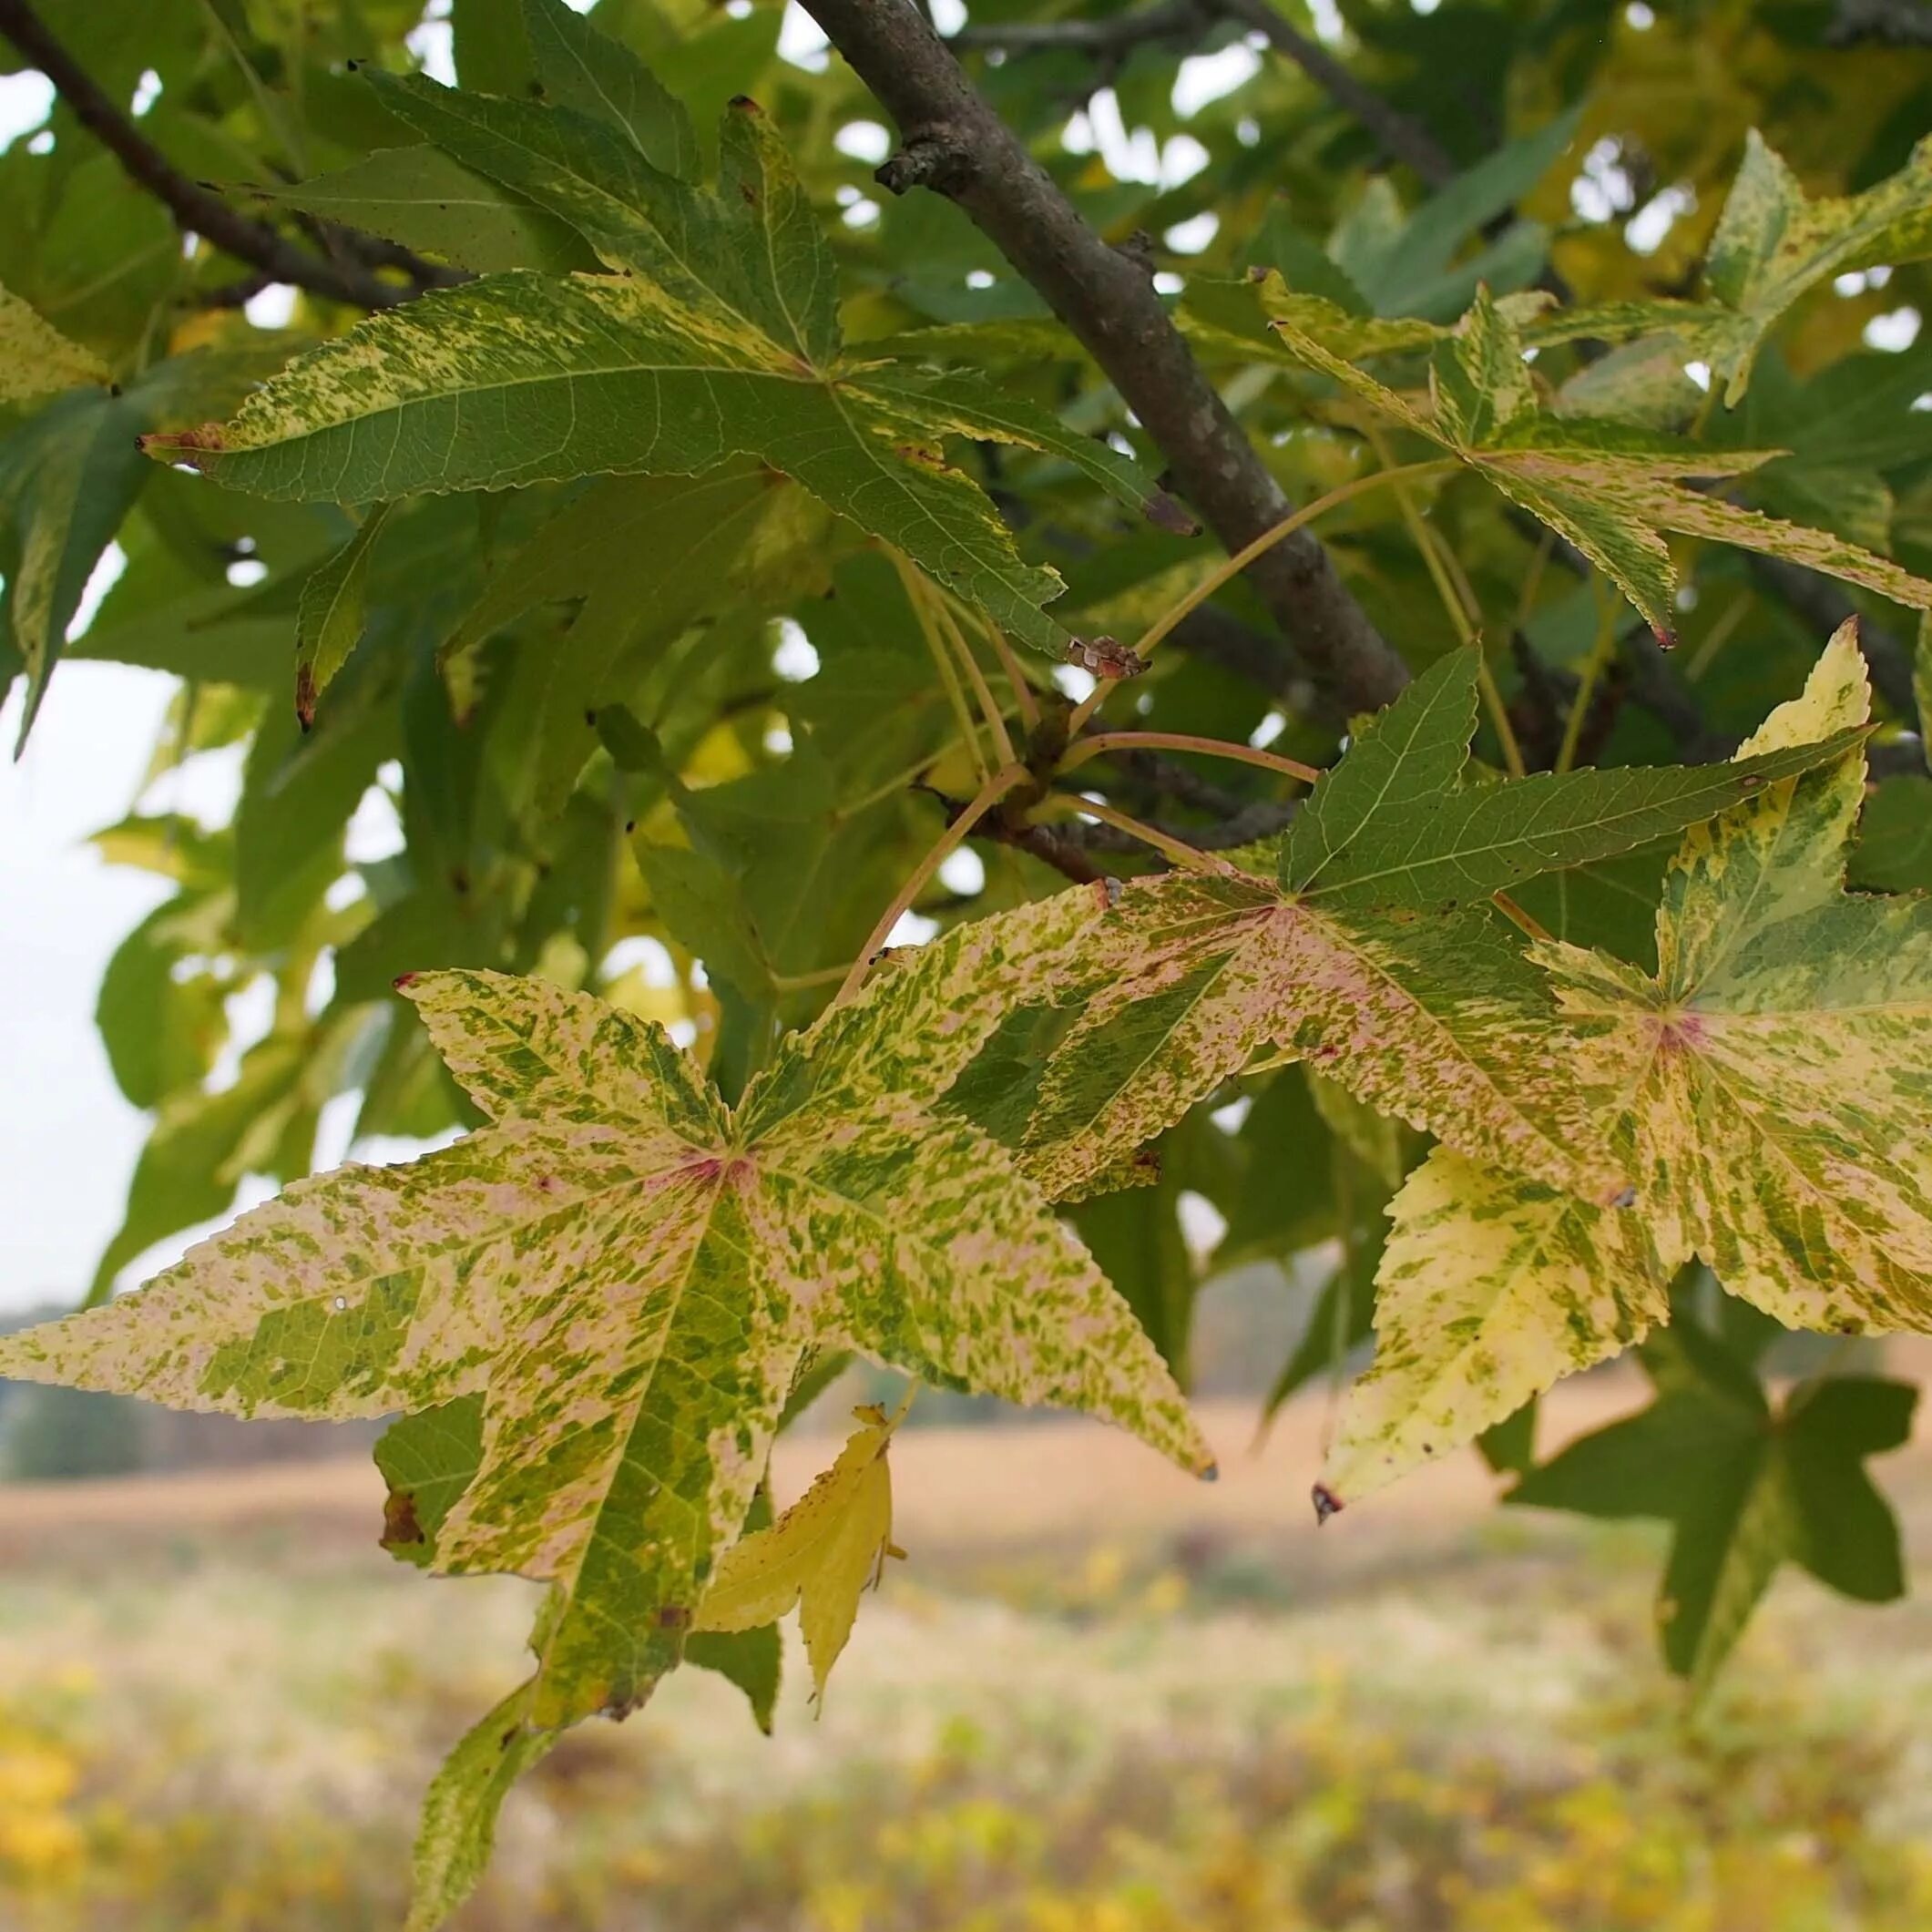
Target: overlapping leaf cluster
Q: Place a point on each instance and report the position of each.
(540, 559)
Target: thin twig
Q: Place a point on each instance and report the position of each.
(948, 841)
(1104, 743)
(943, 663)
(1169, 847)
(1251, 552)
(197, 210)
(954, 144)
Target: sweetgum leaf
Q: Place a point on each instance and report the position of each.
(1747, 1486)
(36, 359)
(716, 337)
(1492, 1287)
(629, 1273)
(1375, 956)
(821, 1555)
(334, 610)
(1611, 488)
(1767, 1085)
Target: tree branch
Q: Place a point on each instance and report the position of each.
(196, 210)
(954, 143)
(1111, 41)
(1398, 136)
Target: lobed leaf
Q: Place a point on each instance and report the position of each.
(1374, 957)
(1747, 1488)
(819, 1555)
(1491, 1289)
(631, 1276)
(717, 338)
(1609, 488)
(1769, 1082)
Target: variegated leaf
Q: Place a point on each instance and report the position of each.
(717, 336)
(1773, 243)
(1611, 488)
(1375, 956)
(1492, 1287)
(1770, 1084)
(632, 1274)
(36, 359)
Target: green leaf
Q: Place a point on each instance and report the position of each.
(581, 68)
(1375, 957)
(1394, 824)
(1491, 1289)
(459, 1816)
(68, 475)
(1609, 488)
(334, 610)
(427, 1460)
(1894, 853)
(422, 197)
(1922, 684)
(718, 338)
(1746, 1489)
(159, 1023)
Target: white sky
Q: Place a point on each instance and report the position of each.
(67, 1138)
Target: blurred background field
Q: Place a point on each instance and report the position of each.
(1098, 1698)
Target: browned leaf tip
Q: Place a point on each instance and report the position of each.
(1105, 657)
(1666, 640)
(305, 695)
(1166, 514)
(401, 1531)
(183, 443)
(1326, 1502)
(404, 981)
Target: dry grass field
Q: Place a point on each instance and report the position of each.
(1099, 1698)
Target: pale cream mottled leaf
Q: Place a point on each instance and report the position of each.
(36, 359)
(821, 1555)
(1770, 1083)
(1611, 488)
(1773, 243)
(1492, 1287)
(631, 1276)
(1375, 956)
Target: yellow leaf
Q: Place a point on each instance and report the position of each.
(826, 1550)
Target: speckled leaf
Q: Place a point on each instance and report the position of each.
(1770, 1083)
(1611, 488)
(459, 1815)
(1773, 243)
(1376, 955)
(630, 1274)
(35, 358)
(717, 338)
(1491, 1288)
(334, 608)
(821, 1555)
